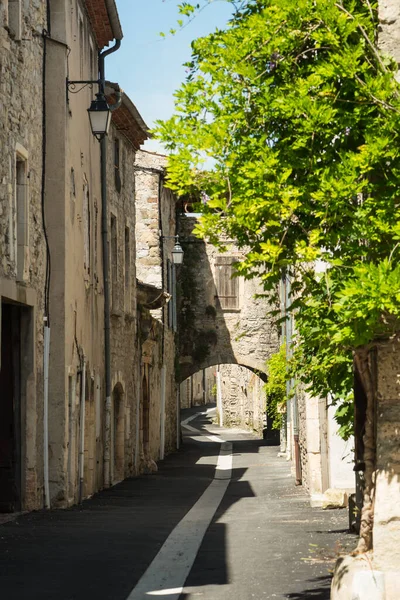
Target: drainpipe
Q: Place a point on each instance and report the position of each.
(138, 396)
(204, 387)
(162, 416)
(290, 386)
(46, 413)
(219, 398)
(104, 235)
(82, 430)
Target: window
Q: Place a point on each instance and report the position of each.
(117, 170)
(21, 193)
(114, 263)
(127, 270)
(14, 18)
(227, 286)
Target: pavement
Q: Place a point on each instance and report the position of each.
(220, 520)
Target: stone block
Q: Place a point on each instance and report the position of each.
(334, 498)
(354, 579)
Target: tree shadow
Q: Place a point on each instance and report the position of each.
(319, 590)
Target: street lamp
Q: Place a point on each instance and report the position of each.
(177, 253)
(99, 111)
(99, 116)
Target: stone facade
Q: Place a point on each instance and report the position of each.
(242, 397)
(73, 213)
(234, 329)
(155, 238)
(22, 254)
(199, 389)
(124, 323)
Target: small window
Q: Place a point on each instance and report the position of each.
(14, 18)
(21, 192)
(227, 286)
(117, 170)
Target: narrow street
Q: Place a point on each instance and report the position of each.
(144, 537)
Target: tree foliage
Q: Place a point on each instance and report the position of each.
(275, 388)
(288, 123)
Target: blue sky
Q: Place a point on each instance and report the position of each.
(149, 68)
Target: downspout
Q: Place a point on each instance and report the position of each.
(46, 414)
(104, 235)
(82, 430)
(295, 412)
(46, 318)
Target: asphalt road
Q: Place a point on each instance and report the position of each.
(142, 537)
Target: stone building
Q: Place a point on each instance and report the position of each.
(127, 133)
(156, 229)
(199, 389)
(221, 318)
(22, 254)
(223, 324)
(77, 34)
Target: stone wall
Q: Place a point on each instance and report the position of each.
(22, 245)
(73, 214)
(243, 398)
(125, 366)
(155, 231)
(302, 410)
(199, 389)
(386, 532)
(211, 334)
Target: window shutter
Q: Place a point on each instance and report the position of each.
(226, 284)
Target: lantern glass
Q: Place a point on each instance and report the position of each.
(177, 254)
(100, 116)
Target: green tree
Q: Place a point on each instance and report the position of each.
(275, 388)
(288, 124)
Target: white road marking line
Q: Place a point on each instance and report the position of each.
(169, 570)
(200, 437)
(199, 414)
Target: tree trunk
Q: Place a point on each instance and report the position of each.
(362, 360)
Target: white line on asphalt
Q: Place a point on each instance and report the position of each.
(199, 414)
(168, 572)
(200, 437)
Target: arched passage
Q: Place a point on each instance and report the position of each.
(222, 319)
(237, 390)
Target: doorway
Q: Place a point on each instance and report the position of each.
(10, 409)
(146, 415)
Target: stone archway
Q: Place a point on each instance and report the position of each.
(118, 434)
(222, 319)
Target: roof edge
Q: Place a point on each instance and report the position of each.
(114, 19)
(126, 101)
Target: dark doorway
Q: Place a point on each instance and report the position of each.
(10, 409)
(146, 415)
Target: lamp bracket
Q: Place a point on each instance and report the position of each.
(72, 86)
